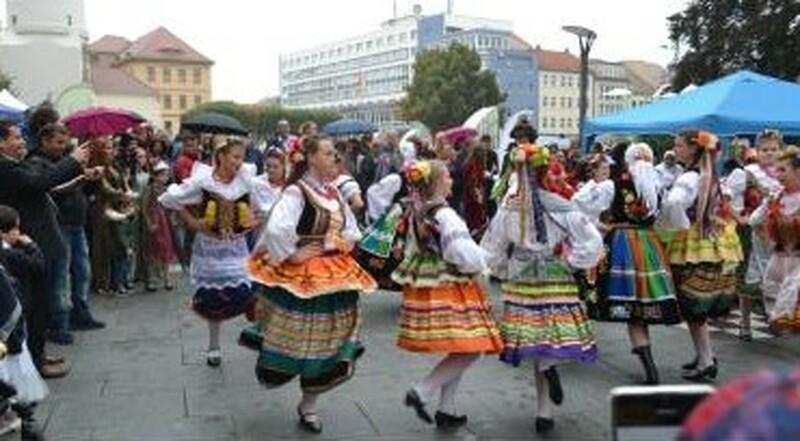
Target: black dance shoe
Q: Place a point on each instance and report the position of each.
(554, 386)
(445, 421)
(413, 400)
(544, 425)
(705, 375)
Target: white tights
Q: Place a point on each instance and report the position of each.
(213, 335)
(544, 408)
(444, 378)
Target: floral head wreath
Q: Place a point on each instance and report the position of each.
(418, 172)
(532, 155)
(707, 141)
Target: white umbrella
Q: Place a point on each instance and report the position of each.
(9, 100)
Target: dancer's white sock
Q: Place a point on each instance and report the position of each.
(544, 408)
(213, 335)
(450, 368)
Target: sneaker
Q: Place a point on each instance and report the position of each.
(53, 371)
(62, 338)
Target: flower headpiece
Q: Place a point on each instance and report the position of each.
(532, 155)
(707, 141)
(417, 172)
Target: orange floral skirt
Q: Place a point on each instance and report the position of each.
(317, 276)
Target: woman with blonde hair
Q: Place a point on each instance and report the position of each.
(445, 309)
(219, 250)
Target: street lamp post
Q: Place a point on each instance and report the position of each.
(586, 38)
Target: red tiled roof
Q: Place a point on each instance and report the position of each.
(557, 61)
(162, 44)
(112, 81)
(109, 44)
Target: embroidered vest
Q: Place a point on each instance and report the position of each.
(318, 223)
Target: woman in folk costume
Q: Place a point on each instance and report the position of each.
(704, 251)
(637, 286)
(750, 186)
(219, 251)
(267, 187)
(780, 217)
(307, 315)
(535, 241)
(594, 197)
(445, 309)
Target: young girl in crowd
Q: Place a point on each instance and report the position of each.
(750, 186)
(159, 248)
(219, 251)
(307, 314)
(445, 309)
(780, 217)
(535, 242)
(704, 251)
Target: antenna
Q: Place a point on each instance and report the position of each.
(394, 11)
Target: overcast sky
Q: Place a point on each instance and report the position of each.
(245, 37)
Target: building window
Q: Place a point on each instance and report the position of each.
(569, 102)
(166, 75)
(544, 123)
(569, 122)
(168, 126)
(182, 102)
(167, 101)
(198, 100)
(562, 123)
(563, 102)
(553, 122)
(69, 20)
(544, 102)
(197, 76)
(182, 76)
(151, 74)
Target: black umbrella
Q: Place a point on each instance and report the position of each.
(348, 127)
(215, 123)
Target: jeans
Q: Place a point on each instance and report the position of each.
(80, 272)
(120, 270)
(58, 302)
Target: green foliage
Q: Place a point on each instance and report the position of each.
(5, 81)
(262, 120)
(448, 87)
(722, 36)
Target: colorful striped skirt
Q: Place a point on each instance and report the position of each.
(638, 284)
(546, 320)
(315, 339)
(450, 318)
(704, 271)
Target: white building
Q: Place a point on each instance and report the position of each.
(366, 76)
(611, 91)
(559, 93)
(42, 47)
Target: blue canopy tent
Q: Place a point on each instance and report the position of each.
(738, 104)
(11, 114)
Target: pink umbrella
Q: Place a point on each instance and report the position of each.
(455, 135)
(101, 121)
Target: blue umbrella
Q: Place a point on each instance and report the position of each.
(347, 126)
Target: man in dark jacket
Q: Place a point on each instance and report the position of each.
(73, 207)
(26, 187)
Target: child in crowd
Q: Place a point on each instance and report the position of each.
(16, 368)
(159, 244)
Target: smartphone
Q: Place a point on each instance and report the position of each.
(644, 413)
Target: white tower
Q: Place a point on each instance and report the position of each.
(42, 47)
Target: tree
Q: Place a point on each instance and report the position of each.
(262, 120)
(449, 85)
(722, 36)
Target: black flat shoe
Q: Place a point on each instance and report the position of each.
(704, 375)
(413, 400)
(544, 425)
(693, 364)
(309, 422)
(554, 386)
(445, 421)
